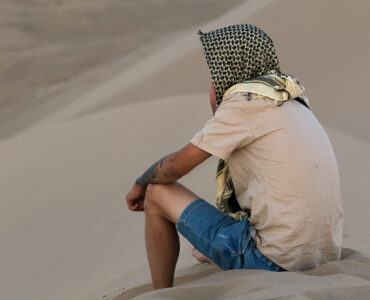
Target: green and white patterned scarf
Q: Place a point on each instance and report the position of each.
(242, 59)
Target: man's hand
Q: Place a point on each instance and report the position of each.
(167, 170)
(135, 198)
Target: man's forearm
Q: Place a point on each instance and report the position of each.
(160, 172)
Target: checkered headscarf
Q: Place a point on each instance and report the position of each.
(237, 53)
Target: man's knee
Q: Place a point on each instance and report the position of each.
(167, 200)
(153, 192)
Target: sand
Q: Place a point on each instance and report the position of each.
(71, 149)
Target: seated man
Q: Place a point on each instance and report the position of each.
(276, 162)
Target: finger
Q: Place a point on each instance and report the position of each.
(131, 205)
(136, 206)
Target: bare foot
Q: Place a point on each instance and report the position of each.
(200, 257)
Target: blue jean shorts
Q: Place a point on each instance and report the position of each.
(228, 243)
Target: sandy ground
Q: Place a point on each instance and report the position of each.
(47, 43)
(74, 141)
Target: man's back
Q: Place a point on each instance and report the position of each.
(284, 169)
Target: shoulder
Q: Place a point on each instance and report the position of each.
(243, 98)
(237, 100)
(244, 102)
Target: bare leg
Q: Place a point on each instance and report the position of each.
(161, 238)
(163, 206)
(200, 256)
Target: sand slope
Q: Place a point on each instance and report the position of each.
(46, 44)
(347, 279)
(69, 158)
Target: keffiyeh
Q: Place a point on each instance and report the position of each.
(242, 58)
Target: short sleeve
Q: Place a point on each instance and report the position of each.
(228, 130)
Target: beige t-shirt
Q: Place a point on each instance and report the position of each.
(284, 169)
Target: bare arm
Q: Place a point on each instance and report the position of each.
(173, 166)
(167, 170)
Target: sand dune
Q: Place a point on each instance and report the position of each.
(46, 44)
(347, 279)
(68, 159)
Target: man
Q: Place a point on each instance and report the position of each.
(276, 163)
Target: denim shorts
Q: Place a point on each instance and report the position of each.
(228, 243)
